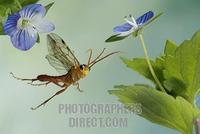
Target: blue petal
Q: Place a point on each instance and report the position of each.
(10, 26)
(43, 26)
(33, 10)
(144, 18)
(197, 101)
(24, 39)
(123, 28)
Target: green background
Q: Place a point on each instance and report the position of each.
(86, 24)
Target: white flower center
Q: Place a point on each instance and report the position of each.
(22, 23)
(132, 21)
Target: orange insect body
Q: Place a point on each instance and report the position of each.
(73, 75)
(62, 59)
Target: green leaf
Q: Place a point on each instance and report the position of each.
(159, 107)
(140, 65)
(176, 84)
(170, 47)
(47, 7)
(3, 13)
(38, 39)
(15, 5)
(6, 2)
(27, 2)
(1, 30)
(115, 38)
(184, 65)
(3, 16)
(178, 69)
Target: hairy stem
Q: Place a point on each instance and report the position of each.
(149, 64)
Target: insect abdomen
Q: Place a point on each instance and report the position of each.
(44, 78)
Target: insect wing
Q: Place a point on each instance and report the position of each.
(60, 56)
(56, 64)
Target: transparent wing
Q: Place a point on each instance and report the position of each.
(60, 56)
(56, 64)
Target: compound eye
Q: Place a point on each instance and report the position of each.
(81, 67)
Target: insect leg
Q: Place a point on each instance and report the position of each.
(43, 103)
(78, 86)
(59, 84)
(46, 83)
(32, 80)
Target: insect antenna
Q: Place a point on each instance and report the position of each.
(89, 63)
(90, 55)
(97, 59)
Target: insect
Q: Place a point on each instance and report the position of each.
(63, 60)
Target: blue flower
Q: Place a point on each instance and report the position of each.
(197, 101)
(23, 27)
(132, 25)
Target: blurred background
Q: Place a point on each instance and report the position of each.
(85, 24)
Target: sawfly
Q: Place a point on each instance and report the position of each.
(63, 60)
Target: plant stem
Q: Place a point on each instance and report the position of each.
(197, 125)
(149, 64)
(18, 4)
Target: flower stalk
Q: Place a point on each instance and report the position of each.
(197, 125)
(149, 64)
